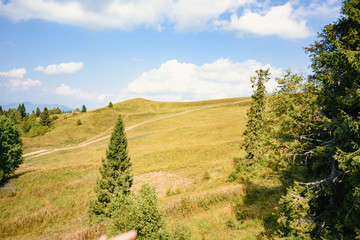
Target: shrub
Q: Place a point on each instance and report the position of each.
(206, 175)
(139, 212)
(10, 147)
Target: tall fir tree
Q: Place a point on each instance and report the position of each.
(116, 177)
(83, 109)
(324, 202)
(255, 126)
(255, 137)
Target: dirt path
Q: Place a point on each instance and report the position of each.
(51, 150)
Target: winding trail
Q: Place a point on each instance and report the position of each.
(86, 143)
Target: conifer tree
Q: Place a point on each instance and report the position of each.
(38, 112)
(110, 104)
(330, 185)
(255, 133)
(255, 125)
(45, 117)
(83, 109)
(116, 176)
(23, 111)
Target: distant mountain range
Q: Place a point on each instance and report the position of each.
(30, 106)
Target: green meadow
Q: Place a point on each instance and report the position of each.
(185, 150)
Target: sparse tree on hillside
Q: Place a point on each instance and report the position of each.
(116, 176)
(10, 147)
(38, 112)
(23, 111)
(45, 117)
(255, 125)
(83, 109)
(255, 133)
(110, 105)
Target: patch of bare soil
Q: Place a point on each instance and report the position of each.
(162, 181)
(6, 186)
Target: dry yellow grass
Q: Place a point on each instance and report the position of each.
(52, 191)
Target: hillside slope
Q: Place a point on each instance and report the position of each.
(51, 192)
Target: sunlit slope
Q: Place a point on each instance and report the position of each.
(52, 191)
(100, 122)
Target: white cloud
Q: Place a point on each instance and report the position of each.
(181, 15)
(68, 68)
(14, 73)
(19, 84)
(199, 15)
(280, 21)
(65, 90)
(186, 81)
(320, 9)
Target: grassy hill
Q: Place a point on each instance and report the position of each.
(185, 149)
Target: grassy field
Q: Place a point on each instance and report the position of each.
(48, 195)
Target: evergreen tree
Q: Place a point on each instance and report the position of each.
(45, 117)
(255, 133)
(1, 110)
(110, 105)
(83, 109)
(38, 112)
(255, 126)
(23, 111)
(330, 185)
(116, 176)
(10, 147)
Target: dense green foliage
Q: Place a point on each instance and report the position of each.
(116, 176)
(83, 109)
(311, 132)
(45, 117)
(139, 212)
(10, 147)
(254, 141)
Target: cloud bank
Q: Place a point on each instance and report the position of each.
(254, 17)
(14, 73)
(62, 68)
(20, 84)
(178, 81)
(65, 90)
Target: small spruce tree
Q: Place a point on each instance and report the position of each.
(38, 112)
(23, 111)
(45, 117)
(83, 109)
(116, 176)
(110, 105)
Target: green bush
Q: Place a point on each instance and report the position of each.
(137, 212)
(36, 130)
(10, 147)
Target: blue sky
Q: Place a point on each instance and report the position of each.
(75, 52)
